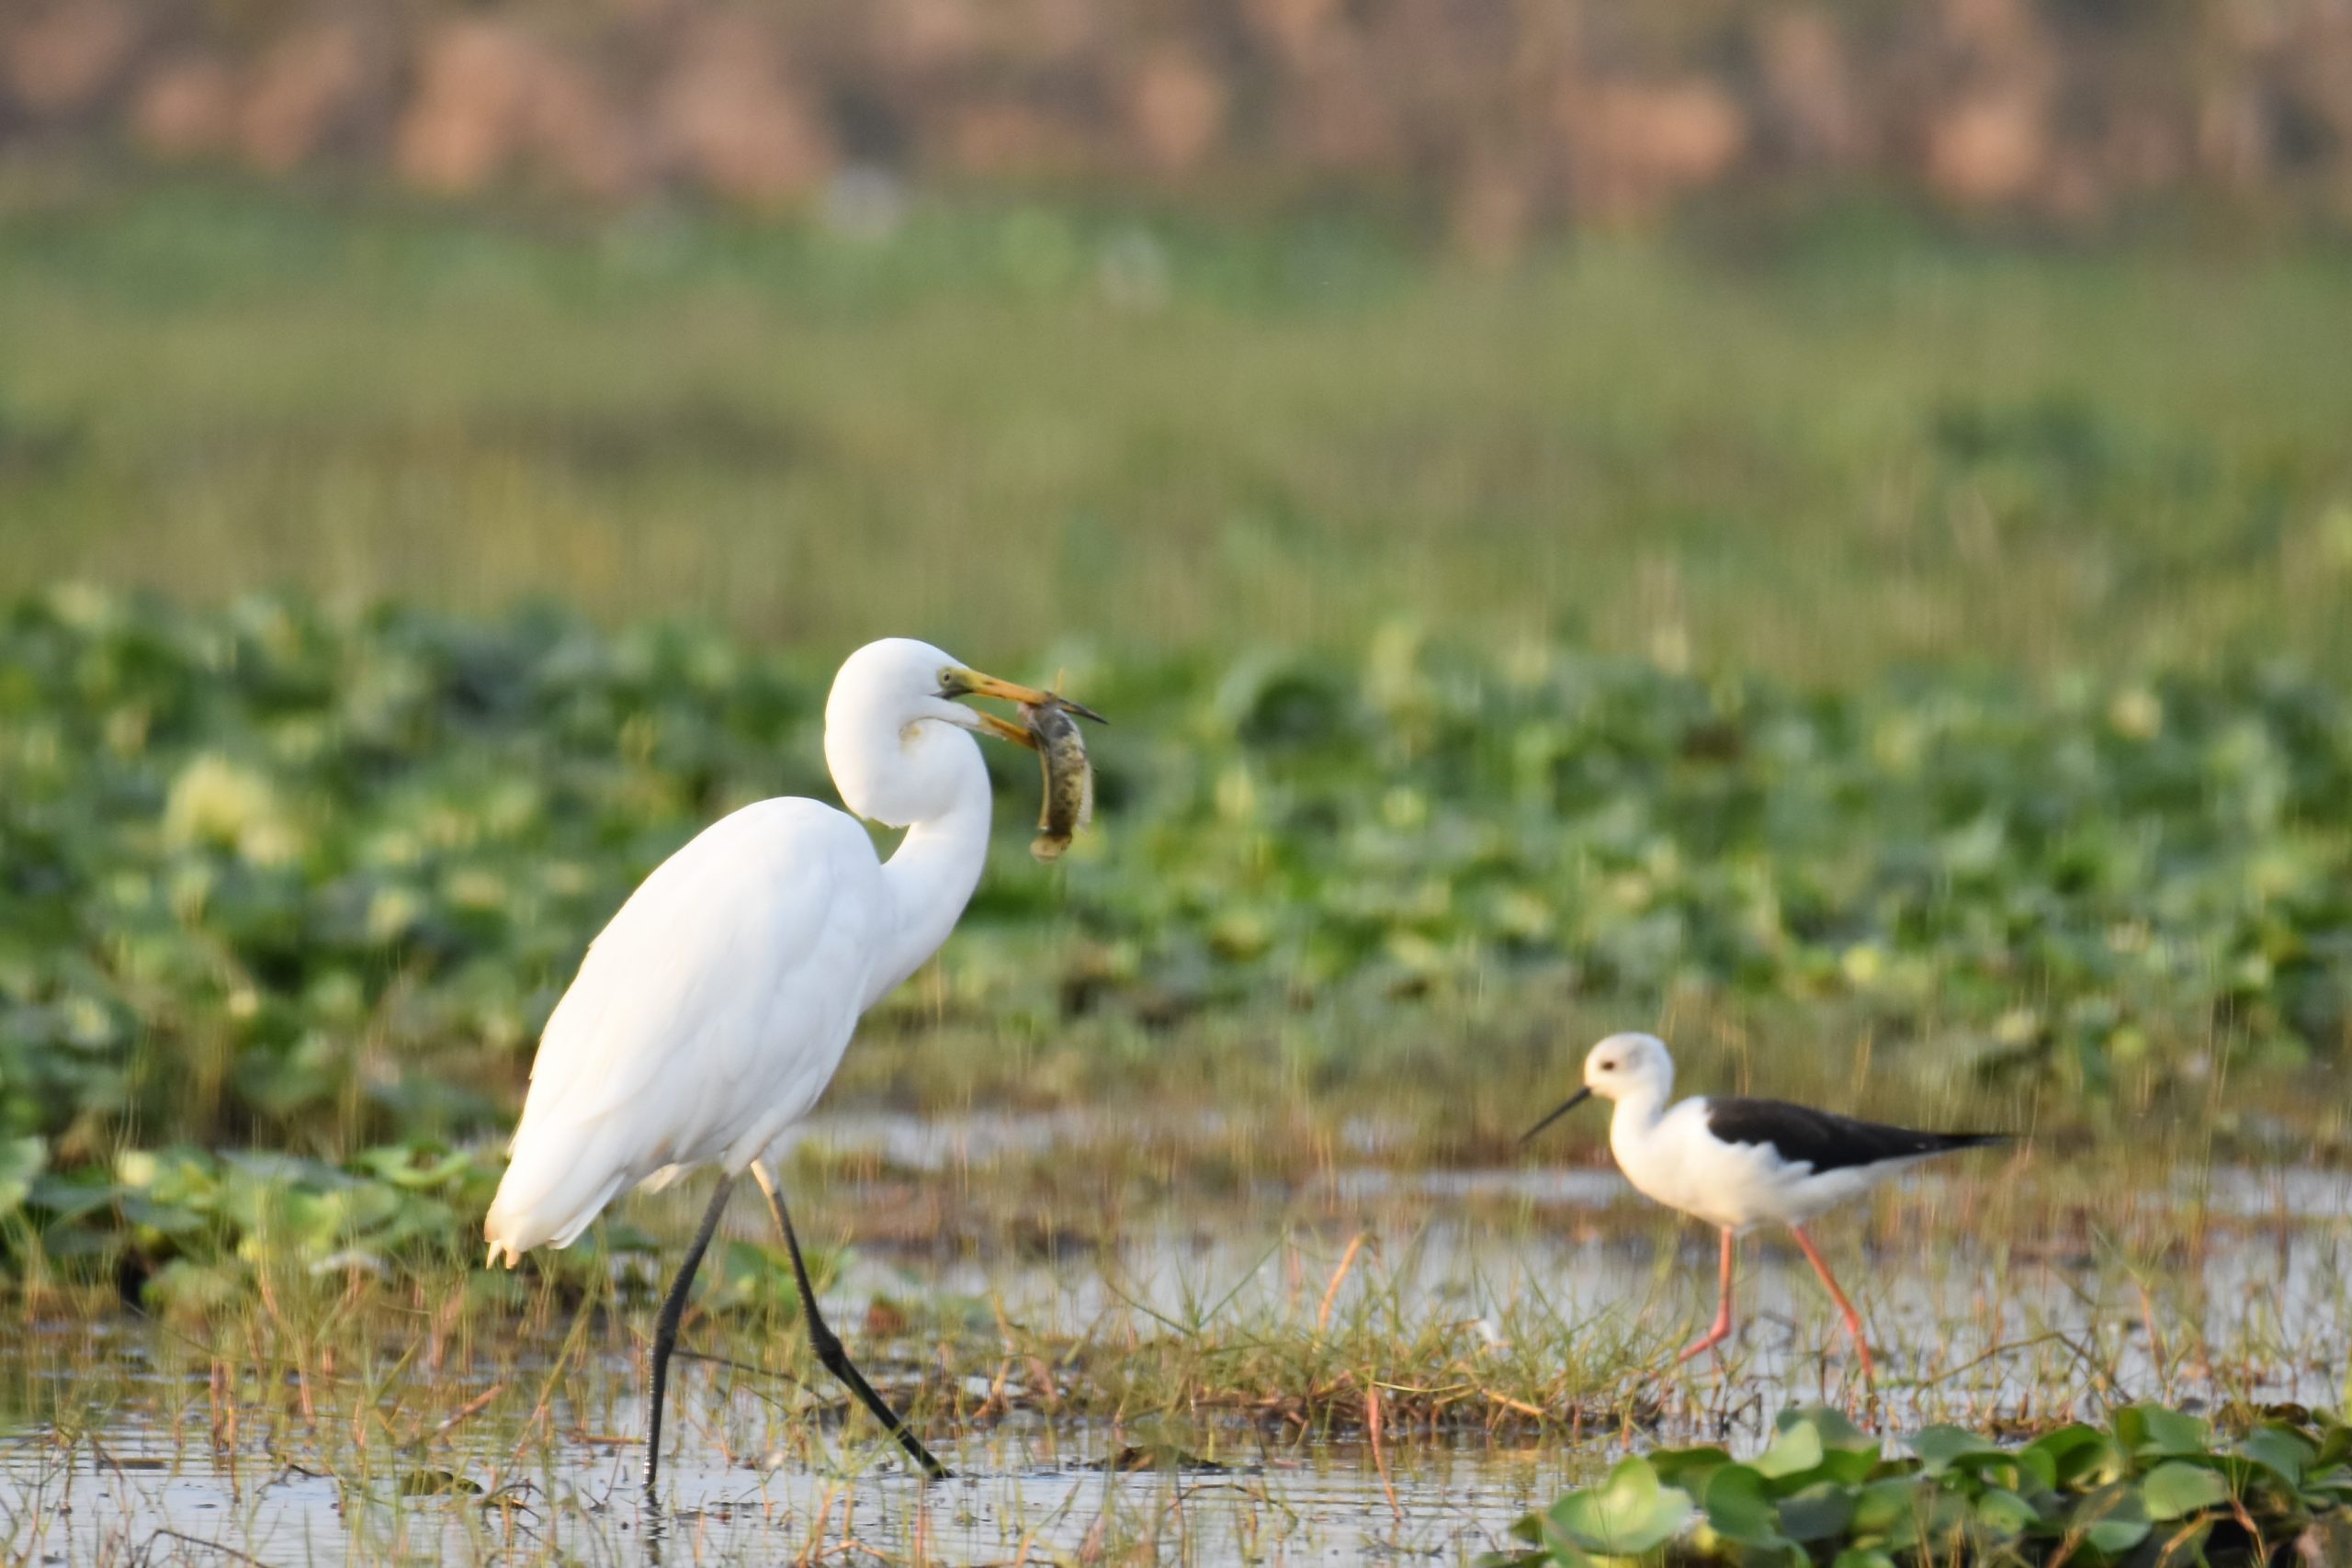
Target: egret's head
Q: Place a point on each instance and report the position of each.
(1621, 1066)
(898, 740)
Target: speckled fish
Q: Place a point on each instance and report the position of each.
(1070, 778)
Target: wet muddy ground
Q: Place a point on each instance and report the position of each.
(2229, 1283)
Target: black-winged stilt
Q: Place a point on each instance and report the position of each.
(1737, 1163)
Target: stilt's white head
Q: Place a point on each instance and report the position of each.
(1623, 1067)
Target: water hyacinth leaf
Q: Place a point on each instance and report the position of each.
(1845, 1452)
(2036, 1469)
(2150, 1430)
(2112, 1519)
(2074, 1456)
(1625, 1515)
(1688, 1468)
(2335, 1446)
(1941, 1448)
(1909, 1512)
(1794, 1453)
(80, 1245)
(21, 1161)
(2177, 1487)
(2003, 1514)
(1833, 1426)
(2330, 1487)
(1817, 1512)
(1864, 1557)
(63, 1200)
(163, 1219)
(2282, 1452)
(1560, 1550)
(1887, 1509)
(418, 1168)
(1739, 1507)
(1970, 1511)
(182, 1176)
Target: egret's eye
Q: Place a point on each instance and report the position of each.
(1608, 1066)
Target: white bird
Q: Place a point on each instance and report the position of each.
(712, 1011)
(1739, 1163)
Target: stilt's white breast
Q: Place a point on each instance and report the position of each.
(1678, 1161)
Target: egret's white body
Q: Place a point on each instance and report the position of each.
(713, 1011)
(710, 1014)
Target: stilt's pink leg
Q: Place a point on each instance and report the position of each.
(1853, 1318)
(1722, 1330)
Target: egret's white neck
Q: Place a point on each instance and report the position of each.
(931, 875)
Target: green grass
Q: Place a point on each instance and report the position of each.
(424, 1390)
(280, 877)
(1909, 672)
(1815, 458)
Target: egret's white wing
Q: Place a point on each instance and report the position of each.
(708, 1016)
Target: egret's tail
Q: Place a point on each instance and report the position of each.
(547, 1201)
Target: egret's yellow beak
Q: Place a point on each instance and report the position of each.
(958, 682)
(1005, 730)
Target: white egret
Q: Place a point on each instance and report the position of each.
(1738, 1163)
(712, 1011)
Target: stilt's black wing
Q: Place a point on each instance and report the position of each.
(1800, 1134)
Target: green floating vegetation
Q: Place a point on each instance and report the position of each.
(188, 1232)
(2155, 1486)
(269, 875)
(185, 1230)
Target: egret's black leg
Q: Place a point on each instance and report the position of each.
(828, 1345)
(665, 1327)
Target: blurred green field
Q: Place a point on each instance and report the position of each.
(1908, 670)
(278, 878)
(1812, 454)
(1870, 656)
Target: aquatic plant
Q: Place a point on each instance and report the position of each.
(2154, 1485)
(275, 874)
(272, 876)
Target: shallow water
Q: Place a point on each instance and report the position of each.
(1012, 1493)
(1967, 1326)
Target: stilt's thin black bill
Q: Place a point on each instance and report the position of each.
(1573, 1101)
